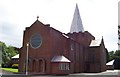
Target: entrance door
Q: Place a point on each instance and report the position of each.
(41, 65)
(38, 66)
(34, 66)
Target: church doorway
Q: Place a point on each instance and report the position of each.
(34, 66)
(38, 65)
(41, 65)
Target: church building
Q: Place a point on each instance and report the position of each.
(46, 50)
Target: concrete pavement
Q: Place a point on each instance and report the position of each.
(108, 73)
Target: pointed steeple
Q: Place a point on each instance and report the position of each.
(76, 25)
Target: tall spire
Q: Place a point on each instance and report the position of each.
(76, 25)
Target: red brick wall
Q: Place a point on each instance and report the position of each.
(82, 38)
(55, 44)
(55, 70)
(41, 52)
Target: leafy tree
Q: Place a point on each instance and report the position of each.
(114, 55)
(0, 53)
(117, 54)
(111, 55)
(7, 53)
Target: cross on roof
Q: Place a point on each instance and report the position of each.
(37, 17)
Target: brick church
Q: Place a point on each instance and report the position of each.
(53, 52)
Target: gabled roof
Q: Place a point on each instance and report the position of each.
(36, 22)
(60, 59)
(110, 63)
(76, 25)
(95, 43)
(16, 56)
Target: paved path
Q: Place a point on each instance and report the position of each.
(2, 72)
(109, 73)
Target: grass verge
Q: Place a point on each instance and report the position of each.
(10, 69)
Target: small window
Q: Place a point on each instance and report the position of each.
(64, 66)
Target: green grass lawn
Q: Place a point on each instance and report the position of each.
(10, 69)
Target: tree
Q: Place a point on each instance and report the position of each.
(117, 54)
(0, 53)
(111, 55)
(7, 53)
(5, 58)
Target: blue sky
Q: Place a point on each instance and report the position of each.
(99, 17)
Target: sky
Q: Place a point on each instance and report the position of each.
(99, 17)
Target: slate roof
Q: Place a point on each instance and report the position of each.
(110, 63)
(16, 56)
(95, 43)
(76, 25)
(60, 59)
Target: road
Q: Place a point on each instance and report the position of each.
(109, 73)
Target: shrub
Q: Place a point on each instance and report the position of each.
(14, 65)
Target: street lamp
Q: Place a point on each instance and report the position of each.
(27, 59)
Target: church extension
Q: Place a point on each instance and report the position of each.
(53, 52)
